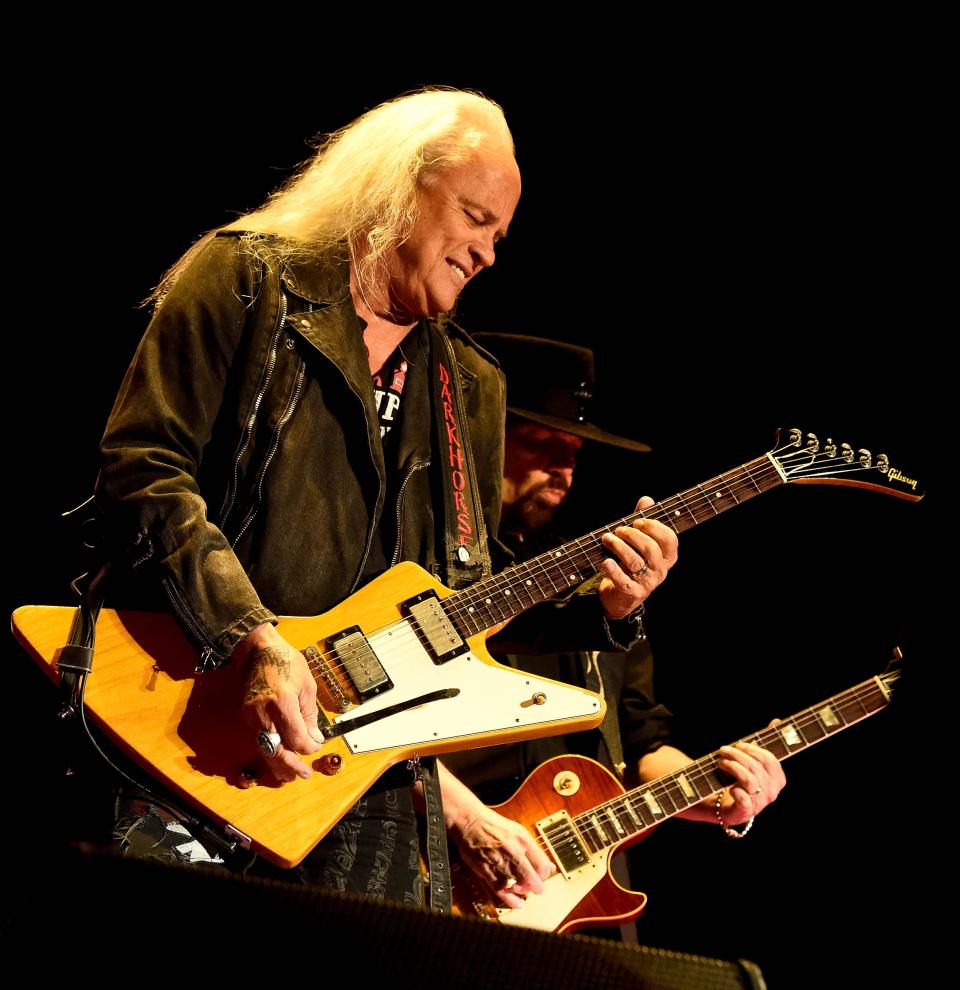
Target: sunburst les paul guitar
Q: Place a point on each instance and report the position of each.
(401, 669)
(581, 816)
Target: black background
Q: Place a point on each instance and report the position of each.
(745, 247)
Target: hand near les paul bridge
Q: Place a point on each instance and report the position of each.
(513, 862)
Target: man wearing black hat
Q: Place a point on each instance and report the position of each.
(549, 386)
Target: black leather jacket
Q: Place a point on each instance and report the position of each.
(243, 458)
(242, 463)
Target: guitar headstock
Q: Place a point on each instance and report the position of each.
(804, 459)
(891, 674)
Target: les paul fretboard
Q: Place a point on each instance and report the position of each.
(577, 838)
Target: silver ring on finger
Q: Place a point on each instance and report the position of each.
(640, 571)
(269, 743)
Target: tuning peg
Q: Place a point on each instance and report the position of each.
(795, 437)
(830, 448)
(891, 670)
(813, 444)
(865, 457)
(883, 463)
(846, 452)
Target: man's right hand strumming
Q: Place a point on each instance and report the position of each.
(280, 699)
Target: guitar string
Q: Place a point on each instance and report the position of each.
(700, 771)
(805, 720)
(463, 607)
(544, 566)
(547, 567)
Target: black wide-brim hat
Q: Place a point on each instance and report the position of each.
(551, 383)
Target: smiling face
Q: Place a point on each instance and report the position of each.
(464, 211)
(537, 474)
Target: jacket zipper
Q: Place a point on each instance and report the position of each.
(211, 656)
(373, 460)
(252, 419)
(416, 466)
(281, 423)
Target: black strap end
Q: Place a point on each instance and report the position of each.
(76, 659)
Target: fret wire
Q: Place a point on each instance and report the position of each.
(703, 774)
(563, 572)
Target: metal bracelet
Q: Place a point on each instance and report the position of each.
(730, 831)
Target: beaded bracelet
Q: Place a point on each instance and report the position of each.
(730, 831)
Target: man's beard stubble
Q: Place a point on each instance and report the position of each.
(530, 512)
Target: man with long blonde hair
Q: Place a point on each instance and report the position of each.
(270, 449)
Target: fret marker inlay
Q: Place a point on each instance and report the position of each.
(651, 802)
(686, 786)
(828, 716)
(599, 827)
(790, 736)
(618, 828)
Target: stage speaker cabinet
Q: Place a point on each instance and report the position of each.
(107, 914)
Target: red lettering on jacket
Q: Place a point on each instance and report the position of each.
(457, 478)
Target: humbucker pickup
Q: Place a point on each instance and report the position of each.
(434, 627)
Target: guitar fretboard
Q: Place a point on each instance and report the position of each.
(517, 588)
(643, 807)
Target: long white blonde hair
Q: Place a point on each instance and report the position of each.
(360, 187)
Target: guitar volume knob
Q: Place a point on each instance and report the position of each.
(566, 783)
(330, 764)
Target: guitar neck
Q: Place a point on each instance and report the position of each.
(645, 806)
(518, 588)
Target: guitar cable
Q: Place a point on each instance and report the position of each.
(75, 664)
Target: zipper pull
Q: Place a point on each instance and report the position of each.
(209, 660)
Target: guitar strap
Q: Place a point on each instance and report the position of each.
(75, 660)
(466, 556)
(466, 559)
(440, 886)
(609, 729)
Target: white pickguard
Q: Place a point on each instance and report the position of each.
(560, 896)
(491, 699)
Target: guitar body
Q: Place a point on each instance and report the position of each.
(186, 730)
(586, 897)
(582, 816)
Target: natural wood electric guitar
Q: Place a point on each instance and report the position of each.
(582, 817)
(401, 670)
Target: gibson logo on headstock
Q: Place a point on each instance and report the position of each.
(895, 475)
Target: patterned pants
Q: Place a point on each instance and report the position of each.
(373, 851)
